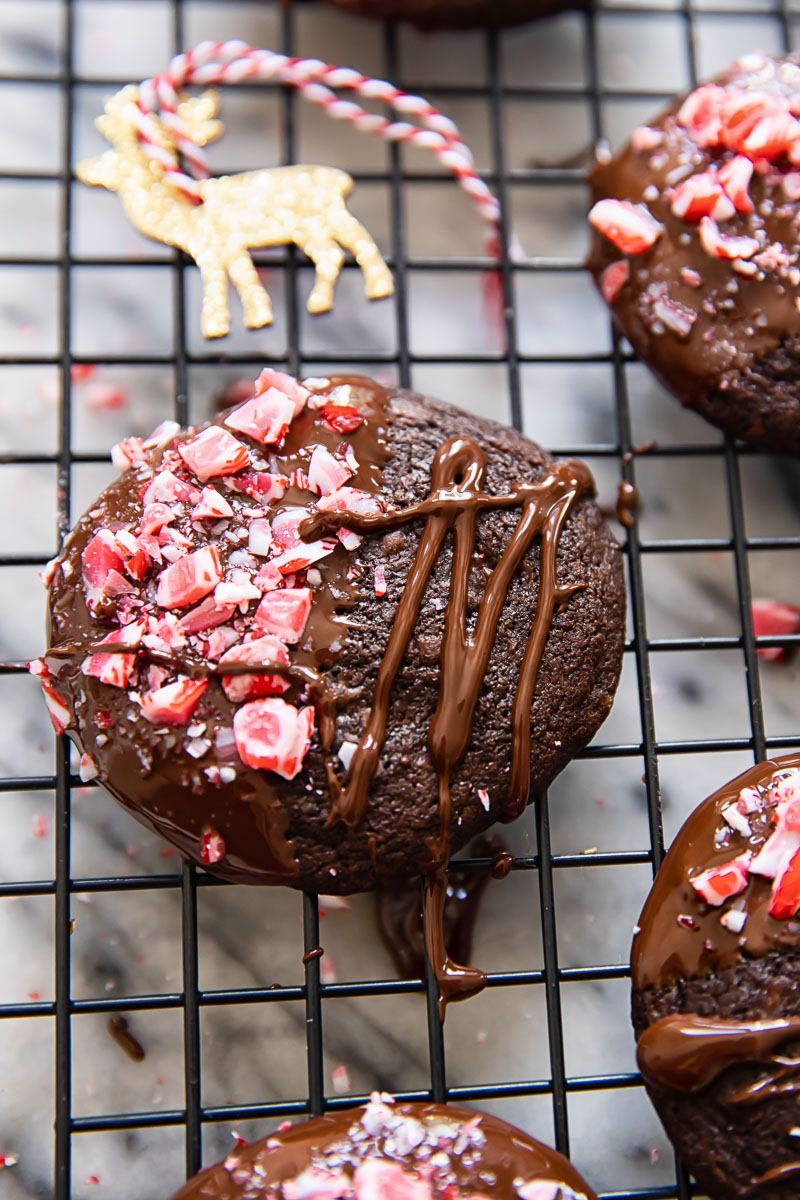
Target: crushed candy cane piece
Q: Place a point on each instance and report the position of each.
(211, 505)
(267, 650)
(212, 846)
(326, 473)
(259, 537)
(127, 452)
(189, 579)
(701, 196)
(353, 500)
(718, 884)
(166, 487)
(88, 768)
(273, 735)
(630, 227)
(162, 434)
(341, 418)
(380, 581)
(483, 796)
(773, 619)
(265, 418)
(379, 1179)
(733, 920)
(115, 668)
(735, 177)
(206, 616)
(284, 613)
(214, 452)
(700, 114)
(613, 278)
(41, 827)
(340, 1079)
(722, 245)
(174, 703)
(270, 378)
(785, 899)
(58, 712)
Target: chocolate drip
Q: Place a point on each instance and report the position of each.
(119, 1030)
(455, 500)
(685, 1053)
(627, 503)
(777, 1175)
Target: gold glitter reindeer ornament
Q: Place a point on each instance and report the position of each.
(235, 213)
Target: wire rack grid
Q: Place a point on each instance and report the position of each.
(522, 185)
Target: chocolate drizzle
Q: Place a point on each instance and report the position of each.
(455, 500)
(686, 1052)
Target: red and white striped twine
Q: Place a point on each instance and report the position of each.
(232, 61)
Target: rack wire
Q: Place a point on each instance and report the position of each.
(544, 866)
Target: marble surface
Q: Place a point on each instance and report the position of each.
(128, 943)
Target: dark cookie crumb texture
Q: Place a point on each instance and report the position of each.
(188, 783)
(395, 1152)
(696, 249)
(739, 1134)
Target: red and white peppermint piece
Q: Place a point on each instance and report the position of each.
(303, 554)
(701, 196)
(263, 486)
(718, 884)
(341, 418)
(211, 505)
(259, 537)
(733, 920)
(380, 581)
(378, 1179)
(206, 616)
(166, 487)
(721, 245)
(268, 578)
(785, 899)
(349, 538)
(270, 378)
(57, 710)
(273, 735)
(284, 613)
(265, 651)
(646, 138)
(156, 516)
(314, 1184)
(700, 114)
(675, 316)
(772, 619)
(241, 592)
(326, 473)
(735, 177)
(162, 434)
(101, 562)
(212, 846)
(757, 124)
(127, 452)
(87, 769)
(115, 669)
(265, 418)
(189, 579)
(214, 452)
(353, 500)
(174, 703)
(630, 227)
(612, 279)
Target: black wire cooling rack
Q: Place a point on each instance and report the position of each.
(545, 865)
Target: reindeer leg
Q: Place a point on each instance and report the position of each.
(354, 237)
(255, 300)
(327, 258)
(215, 317)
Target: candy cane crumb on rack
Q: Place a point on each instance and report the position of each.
(158, 166)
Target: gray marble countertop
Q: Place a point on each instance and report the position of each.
(129, 943)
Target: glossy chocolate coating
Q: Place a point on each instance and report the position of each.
(667, 948)
(505, 1160)
(737, 364)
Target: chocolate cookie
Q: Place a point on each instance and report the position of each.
(440, 14)
(716, 1002)
(331, 636)
(402, 1151)
(696, 250)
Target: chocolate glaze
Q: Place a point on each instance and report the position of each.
(497, 1161)
(667, 949)
(456, 498)
(740, 319)
(120, 1031)
(686, 1052)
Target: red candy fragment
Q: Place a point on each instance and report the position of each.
(125, 453)
(771, 619)
(613, 278)
(262, 485)
(265, 418)
(166, 487)
(735, 177)
(284, 613)
(341, 418)
(264, 651)
(212, 846)
(785, 899)
(757, 124)
(189, 579)
(718, 884)
(211, 505)
(326, 473)
(101, 564)
(57, 710)
(156, 516)
(700, 114)
(377, 1179)
(629, 226)
(174, 703)
(701, 196)
(273, 735)
(214, 452)
(353, 500)
(270, 378)
(721, 245)
(380, 581)
(115, 669)
(206, 616)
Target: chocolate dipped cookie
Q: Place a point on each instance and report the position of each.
(440, 14)
(716, 1002)
(696, 249)
(330, 636)
(388, 1151)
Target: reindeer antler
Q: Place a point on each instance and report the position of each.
(196, 114)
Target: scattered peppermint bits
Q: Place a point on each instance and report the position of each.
(630, 227)
(771, 619)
